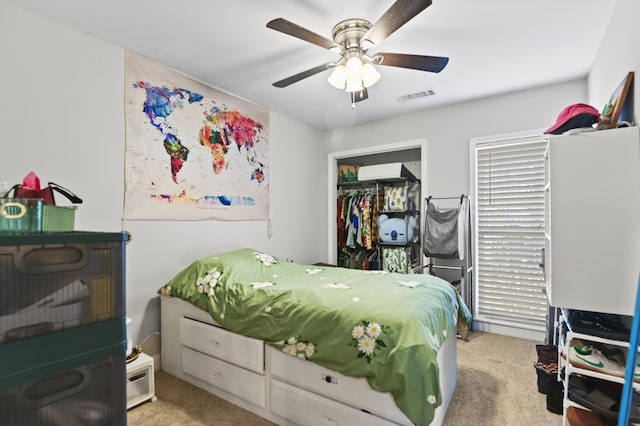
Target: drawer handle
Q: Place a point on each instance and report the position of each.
(138, 377)
(329, 379)
(52, 389)
(215, 374)
(52, 259)
(214, 342)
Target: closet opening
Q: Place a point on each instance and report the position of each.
(412, 155)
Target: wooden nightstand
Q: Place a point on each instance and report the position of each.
(140, 381)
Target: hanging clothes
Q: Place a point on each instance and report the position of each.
(340, 222)
(356, 227)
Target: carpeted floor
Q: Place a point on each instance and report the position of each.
(496, 386)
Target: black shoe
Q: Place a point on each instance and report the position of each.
(601, 325)
(601, 399)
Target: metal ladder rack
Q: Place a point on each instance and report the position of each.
(448, 263)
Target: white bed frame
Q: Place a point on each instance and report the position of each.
(276, 386)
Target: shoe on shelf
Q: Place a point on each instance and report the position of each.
(601, 359)
(579, 417)
(601, 398)
(609, 326)
(588, 357)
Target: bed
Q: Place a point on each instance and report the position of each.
(305, 344)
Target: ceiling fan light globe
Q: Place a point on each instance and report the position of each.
(338, 77)
(354, 68)
(366, 44)
(370, 75)
(354, 85)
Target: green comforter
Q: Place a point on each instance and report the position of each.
(386, 327)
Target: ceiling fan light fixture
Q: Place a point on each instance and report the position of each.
(354, 85)
(338, 77)
(370, 75)
(356, 71)
(366, 44)
(353, 68)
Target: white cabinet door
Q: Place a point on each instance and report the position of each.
(594, 214)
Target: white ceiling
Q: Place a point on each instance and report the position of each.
(494, 46)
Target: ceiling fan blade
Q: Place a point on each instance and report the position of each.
(302, 75)
(401, 12)
(416, 62)
(359, 96)
(295, 30)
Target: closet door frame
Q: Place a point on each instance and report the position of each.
(332, 174)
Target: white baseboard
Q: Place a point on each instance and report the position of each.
(157, 361)
(151, 346)
(521, 333)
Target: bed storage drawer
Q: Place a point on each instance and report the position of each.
(305, 408)
(234, 380)
(220, 343)
(318, 379)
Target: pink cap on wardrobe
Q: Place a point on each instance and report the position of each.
(572, 111)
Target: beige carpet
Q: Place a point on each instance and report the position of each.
(496, 386)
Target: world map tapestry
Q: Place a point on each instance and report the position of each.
(192, 152)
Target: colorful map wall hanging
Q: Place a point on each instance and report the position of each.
(192, 152)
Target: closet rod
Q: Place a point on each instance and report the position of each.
(357, 188)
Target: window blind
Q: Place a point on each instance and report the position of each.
(510, 224)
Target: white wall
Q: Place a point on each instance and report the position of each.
(62, 113)
(448, 130)
(62, 117)
(618, 54)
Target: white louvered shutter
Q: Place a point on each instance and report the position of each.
(509, 226)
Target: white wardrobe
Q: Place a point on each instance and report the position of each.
(592, 253)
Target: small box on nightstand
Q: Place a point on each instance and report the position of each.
(140, 381)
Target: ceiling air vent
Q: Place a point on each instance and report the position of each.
(412, 96)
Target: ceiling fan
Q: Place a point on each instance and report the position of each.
(355, 71)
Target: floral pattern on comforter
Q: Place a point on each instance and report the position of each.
(385, 327)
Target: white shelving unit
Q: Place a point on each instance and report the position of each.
(411, 247)
(566, 335)
(591, 257)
